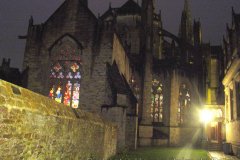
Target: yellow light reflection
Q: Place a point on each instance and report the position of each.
(206, 116)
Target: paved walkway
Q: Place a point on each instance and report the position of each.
(221, 156)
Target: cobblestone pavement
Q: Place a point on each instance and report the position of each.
(221, 156)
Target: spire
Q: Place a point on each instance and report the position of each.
(186, 6)
(160, 17)
(233, 12)
(160, 13)
(110, 5)
(146, 3)
(31, 21)
(147, 9)
(186, 30)
(233, 17)
(197, 32)
(147, 19)
(235, 20)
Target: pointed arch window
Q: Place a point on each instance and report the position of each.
(157, 101)
(184, 104)
(65, 72)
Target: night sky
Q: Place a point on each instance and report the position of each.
(14, 16)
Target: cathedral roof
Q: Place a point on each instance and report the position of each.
(130, 7)
(70, 4)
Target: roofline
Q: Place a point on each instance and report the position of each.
(63, 5)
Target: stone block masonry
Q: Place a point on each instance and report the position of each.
(35, 127)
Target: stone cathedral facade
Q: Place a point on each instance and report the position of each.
(231, 81)
(124, 66)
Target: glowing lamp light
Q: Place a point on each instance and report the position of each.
(206, 116)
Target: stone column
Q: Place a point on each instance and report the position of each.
(146, 128)
(174, 98)
(147, 42)
(146, 114)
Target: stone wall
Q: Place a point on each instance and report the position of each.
(233, 136)
(35, 127)
(185, 136)
(125, 120)
(173, 133)
(118, 116)
(131, 131)
(232, 110)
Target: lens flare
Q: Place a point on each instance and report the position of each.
(206, 116)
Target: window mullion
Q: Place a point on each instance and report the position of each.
(159, 110)
(72, 87)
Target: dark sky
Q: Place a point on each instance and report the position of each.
(14, 16)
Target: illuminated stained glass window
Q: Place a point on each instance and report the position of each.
(75, 98)
(184, 104)
(68, 93)
(65, 83)
(65, 72)
(157, 101)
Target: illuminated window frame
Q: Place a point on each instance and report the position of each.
(184, 104)
(65, 71)
(65, 82)
(157, 101)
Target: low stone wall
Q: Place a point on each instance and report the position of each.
(35, 127)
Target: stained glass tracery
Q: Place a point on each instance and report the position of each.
(157, 101)
(65, 79)
(184, 103)
(68, 93)
(75, 98)
(65, 71)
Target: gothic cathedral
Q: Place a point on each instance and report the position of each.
(124, 66)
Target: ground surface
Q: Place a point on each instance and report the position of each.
(164, 154)
(221, 156)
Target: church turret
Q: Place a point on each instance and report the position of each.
(233, 18)
(159, 37)
(147, 15)
(147, 54)
(160, 17)
(197, 33)
(30, 21)
(185, 30)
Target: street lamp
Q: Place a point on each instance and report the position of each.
(206, 116)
